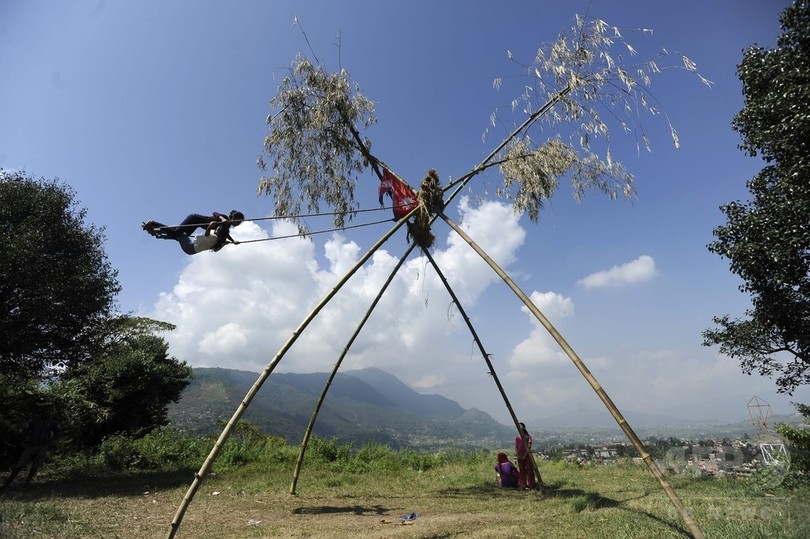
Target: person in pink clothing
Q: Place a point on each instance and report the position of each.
(507, 472)
(523, 447)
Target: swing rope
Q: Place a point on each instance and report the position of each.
(317, 232)
(301, 216)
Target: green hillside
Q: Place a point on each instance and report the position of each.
(362, 405)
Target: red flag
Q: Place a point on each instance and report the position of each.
(403, 196)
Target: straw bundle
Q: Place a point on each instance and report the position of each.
(430, 202)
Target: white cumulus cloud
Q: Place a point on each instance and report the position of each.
(539, 349)
(639, 270)
(237, 308)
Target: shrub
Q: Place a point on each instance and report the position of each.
(420, 461)
(326, 451)
(168, 448)
(373, 456)
(164, 449)
(248, 444)
(118, 453)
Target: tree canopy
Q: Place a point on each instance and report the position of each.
(127, 388)
(62, 346)
(57, 286)
(767, 239)
(313, 140)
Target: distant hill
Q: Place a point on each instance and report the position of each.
(361, 405)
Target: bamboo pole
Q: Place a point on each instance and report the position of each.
(226, 432)
(461, 182)
(614, 411)
(302, 449)
(485, 355)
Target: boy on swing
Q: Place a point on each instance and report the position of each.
(217, 231)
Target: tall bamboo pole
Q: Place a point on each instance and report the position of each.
(303, 447)
(461, 182)
(614, 411)
(226, 432)
(485, 356)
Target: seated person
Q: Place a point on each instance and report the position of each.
(507, 472)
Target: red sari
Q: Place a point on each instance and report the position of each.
(524, 460)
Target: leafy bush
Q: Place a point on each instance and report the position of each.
(326, 451)
(248, 444)
(373, 456)
(237, 452)
(163, 449)
(420, 461)
(118, 453)
(167, 447)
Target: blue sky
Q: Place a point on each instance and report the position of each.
(153, 110)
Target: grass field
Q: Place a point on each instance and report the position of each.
(457, 499)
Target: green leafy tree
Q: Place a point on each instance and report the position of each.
(57, 289)
(767, 240)
(56, 285)
(126, 389)
(60, 344)
(19, 401)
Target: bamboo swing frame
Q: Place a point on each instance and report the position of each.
(459, 184)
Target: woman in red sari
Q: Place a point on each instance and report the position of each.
(523, 446)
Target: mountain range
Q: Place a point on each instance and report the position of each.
(361, 405)
(373, 405)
